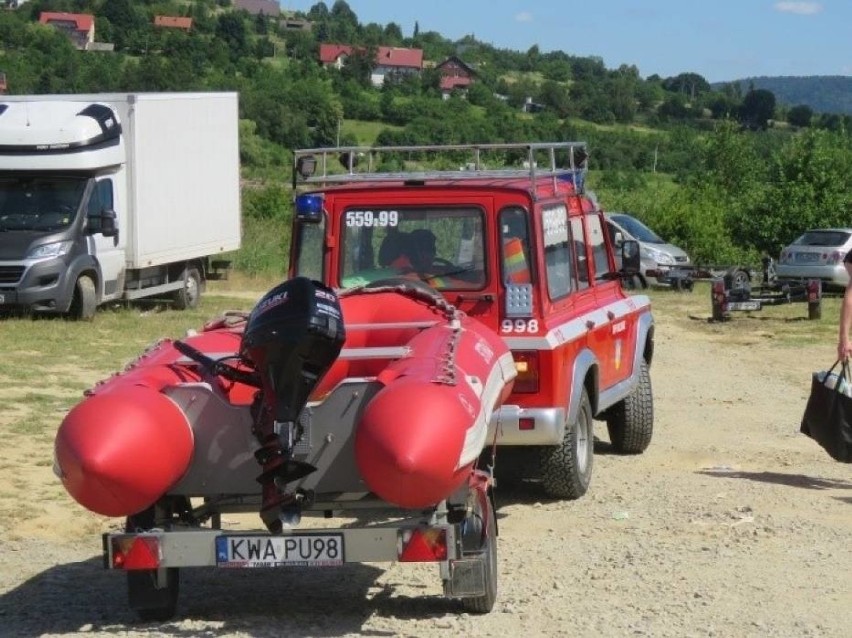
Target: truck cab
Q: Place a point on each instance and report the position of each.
(513, 240)
(107, 197)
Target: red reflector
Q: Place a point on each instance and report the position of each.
(141, 552)
(526, 424)
(423, 545)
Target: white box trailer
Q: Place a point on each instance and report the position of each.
(115, 196)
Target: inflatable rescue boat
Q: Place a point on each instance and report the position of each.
(314, 396)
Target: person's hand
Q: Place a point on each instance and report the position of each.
(844, 349)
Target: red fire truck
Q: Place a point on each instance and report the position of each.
(507, 234)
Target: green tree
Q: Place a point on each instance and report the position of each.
(800, 115)
(757, 109)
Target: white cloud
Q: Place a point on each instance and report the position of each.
(800, 8)
(524, 16)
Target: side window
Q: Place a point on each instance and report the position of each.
(99, 201)
(557, 251)
(580, 252)
(598, 244)
(515, 262)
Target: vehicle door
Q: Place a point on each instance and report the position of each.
(107, 251)
(612, 325)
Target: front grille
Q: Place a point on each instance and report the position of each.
(681, 259)
(11, 274)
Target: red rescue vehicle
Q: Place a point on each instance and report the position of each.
(508, 236)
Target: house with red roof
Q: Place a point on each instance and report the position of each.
(456, 75)
(389, 60)
(173, 22)
(79, 27)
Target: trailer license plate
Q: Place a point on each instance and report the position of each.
(294, 550)
(744, 305)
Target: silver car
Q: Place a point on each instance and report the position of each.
(658, 257)
(817, 254)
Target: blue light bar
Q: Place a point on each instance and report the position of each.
(309, 207)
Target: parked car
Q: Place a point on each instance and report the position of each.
(658, 256)
(817, 254)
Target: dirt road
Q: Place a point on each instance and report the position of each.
(731, 524)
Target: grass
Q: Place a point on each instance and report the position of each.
(784, 325)
(364, 131)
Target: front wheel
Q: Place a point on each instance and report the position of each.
(85, 300)
(566, 469)
(188, 296)
(631, 421)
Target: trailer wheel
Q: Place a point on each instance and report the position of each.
(153, 601)
(188, 296)
(566, 469)
(85, 300)
(740, 278)
(487, 549)
(631, 422)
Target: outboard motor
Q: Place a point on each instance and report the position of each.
(293, 335)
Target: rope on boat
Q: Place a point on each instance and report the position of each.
(452, 314)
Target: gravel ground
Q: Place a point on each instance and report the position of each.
(731, 524)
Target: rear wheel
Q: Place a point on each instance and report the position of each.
(188, 296)
(85, 300)
(631, 421)
(154, 599)
(566, 469)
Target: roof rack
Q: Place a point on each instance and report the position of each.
(558, 161)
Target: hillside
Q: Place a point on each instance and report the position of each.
(824, 94)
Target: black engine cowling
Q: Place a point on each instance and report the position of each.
(293, 335)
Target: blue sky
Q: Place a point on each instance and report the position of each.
(721, 40)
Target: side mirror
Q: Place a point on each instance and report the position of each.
(109, 227)
(630, 257)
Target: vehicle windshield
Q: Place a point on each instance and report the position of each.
(441, 246)
(638, 230)
(826, 238)
(43, 204)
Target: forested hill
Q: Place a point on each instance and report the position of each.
(824, 94)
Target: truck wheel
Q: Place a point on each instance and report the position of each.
(486, 548)
(85, 300)
(566, 469)
(188, 296)
(150, 602)
(631, 422)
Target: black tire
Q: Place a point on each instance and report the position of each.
(151, 603)
(741, 279)
(188, 296)
(631, 421)
(487, 550)
(566, 469)
(85, 300)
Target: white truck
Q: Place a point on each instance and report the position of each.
(107, 197)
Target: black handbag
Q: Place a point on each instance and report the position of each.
(828, 414)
